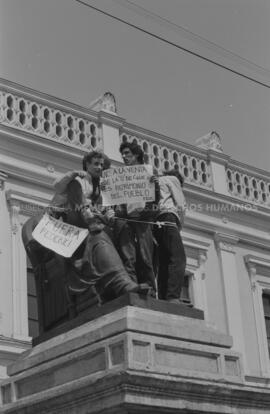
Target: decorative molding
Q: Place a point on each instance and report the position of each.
(25, 204)
(226, 242)
(33, 168)
(252, 274)
(50, 168)
(202, 261)
(195, 249)
(15, 222)
(14, 345)
(3, 178)
(257, 266)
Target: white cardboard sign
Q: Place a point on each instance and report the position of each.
(58, 236)
(127, 184)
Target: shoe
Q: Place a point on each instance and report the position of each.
(141, 288)
(180, 302)
(174, 300)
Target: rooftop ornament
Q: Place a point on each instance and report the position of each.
(210, 141)
(106, 103)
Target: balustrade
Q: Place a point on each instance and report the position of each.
(247, 187)
(49, 122)
(194, 169)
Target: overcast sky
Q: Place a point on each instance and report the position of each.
(73, 52)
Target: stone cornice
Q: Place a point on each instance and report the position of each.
(257, 261)
(211, 225)
(45, 144)
(197, 249)
(226, 242)
(249, 169)
(30, 174)
(110, 119)
(26, 204)
(222, 222)
(125, 391)
(199, 391)
(242, 205)
(16, 346)
(33, 169)
(257, 265)
(218, 157)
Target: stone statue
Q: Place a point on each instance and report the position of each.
(95, 273)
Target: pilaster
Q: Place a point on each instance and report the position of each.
(110, 123)
(212, 143)
(5, 262)
(196, 259)
(225, 245)
(18, 273)
(199, 284)
(258, 284)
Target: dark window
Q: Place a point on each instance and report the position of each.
(266, 307)
(32, 301)
(185, 292)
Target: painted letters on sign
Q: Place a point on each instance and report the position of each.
(58, 236)
(127, 184)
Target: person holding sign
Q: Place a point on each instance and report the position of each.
(97, 260)
(133, 237)
(171, 252)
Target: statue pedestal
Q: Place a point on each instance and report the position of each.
(136, 358)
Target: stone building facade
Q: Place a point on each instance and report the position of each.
(226, 233)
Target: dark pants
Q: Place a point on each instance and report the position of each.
(172, 258)
(134, 243)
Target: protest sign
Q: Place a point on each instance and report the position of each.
(58, 236)
(127, 184)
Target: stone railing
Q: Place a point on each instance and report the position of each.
(163, 156)
(56, 120)
(252, 188)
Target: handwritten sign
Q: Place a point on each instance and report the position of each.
(127, 184)
(58, 236)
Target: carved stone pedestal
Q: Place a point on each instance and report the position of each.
(134, 359)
